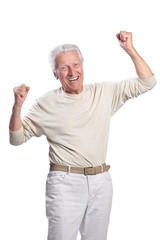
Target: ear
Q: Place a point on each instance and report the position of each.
(56, 75)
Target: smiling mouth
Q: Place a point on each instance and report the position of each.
(73, 79)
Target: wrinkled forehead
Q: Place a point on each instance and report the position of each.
(67, 58)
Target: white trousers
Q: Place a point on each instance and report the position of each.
(75, 202)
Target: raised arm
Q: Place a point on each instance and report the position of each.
(125, 41)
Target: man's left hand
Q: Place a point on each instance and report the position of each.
(142, 69)
(125, 40)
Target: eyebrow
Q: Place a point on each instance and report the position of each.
(67, 65)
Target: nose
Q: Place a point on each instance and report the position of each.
(71, 71)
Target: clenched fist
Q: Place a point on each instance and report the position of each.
(20, 94)
(125, 40)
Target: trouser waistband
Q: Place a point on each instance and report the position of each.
(86, 170)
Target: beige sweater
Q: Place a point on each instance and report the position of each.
(77, 125)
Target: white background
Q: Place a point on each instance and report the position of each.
(29, 29)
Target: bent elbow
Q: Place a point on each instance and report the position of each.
(16, 138)
(149, 83)
(15, 142)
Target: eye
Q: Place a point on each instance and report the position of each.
(76, 65)
(63, 68)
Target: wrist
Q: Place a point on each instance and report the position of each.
(17, 107)
(132, 52)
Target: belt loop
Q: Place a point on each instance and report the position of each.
(69, 169)
(101, 168)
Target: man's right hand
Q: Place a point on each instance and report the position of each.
(20, 94)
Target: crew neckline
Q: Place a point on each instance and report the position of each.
(74, 96)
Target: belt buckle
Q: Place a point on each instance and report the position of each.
(85, 170)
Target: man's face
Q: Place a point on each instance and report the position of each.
(70, 72)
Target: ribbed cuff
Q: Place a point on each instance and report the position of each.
(16, 137)
(150, 82)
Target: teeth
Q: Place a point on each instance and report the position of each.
(73, 79)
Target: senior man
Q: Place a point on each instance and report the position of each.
(75, 120)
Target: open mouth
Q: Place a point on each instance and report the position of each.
(73, 79)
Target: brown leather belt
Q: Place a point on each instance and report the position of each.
(86, 170)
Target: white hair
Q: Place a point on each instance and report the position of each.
(61, 49)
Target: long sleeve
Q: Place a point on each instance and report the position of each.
(127, 89)
(77, 125)
(31, 126)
